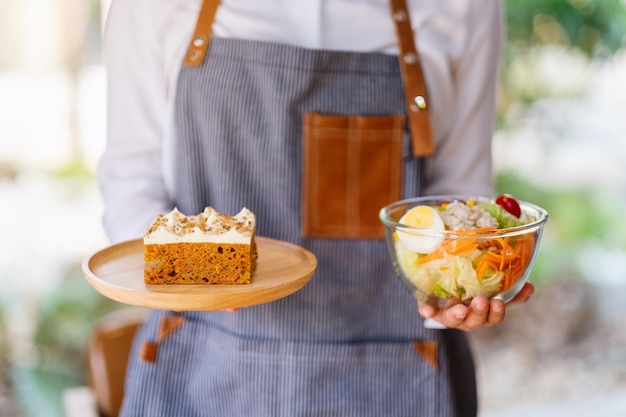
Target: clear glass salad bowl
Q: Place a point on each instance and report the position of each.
(440, 266)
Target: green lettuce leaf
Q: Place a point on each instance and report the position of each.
(504, 218)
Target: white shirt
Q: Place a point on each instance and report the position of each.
(145, 41)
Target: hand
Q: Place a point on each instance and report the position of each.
(480, 313)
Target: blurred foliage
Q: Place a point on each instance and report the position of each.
(582, 215)
(7, 401)
(74, 169)
(5, 383)
(65, 317)
(64, 321)
(574, 33)
(595, 27)
(569, 37)
(39, 391)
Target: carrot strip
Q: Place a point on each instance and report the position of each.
(491, 255)
(437, 254)
(460, 246)
(509, 255)
(480, 230)
(450, 246)
(517, 265)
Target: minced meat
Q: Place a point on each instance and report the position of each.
(460, 216)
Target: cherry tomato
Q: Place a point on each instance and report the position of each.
(510, 204)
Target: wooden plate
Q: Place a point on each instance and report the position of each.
(117, 273)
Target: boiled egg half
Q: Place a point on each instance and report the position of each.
(422, 218)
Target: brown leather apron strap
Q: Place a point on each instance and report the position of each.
(413, 78)
(202, 35)
(412, 75)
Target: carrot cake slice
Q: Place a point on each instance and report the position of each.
(208, 248)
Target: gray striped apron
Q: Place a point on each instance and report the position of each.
(351, 342)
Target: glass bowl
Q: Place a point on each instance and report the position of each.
(458, 265)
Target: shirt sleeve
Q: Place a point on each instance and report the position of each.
(462, 163)
(130, 170)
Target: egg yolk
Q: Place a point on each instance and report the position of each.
(421, 217)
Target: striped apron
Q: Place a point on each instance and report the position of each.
(351, 342)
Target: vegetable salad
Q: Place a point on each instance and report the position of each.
(472, 262)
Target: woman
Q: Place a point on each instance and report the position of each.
(257, 119)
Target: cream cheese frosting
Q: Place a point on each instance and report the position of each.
(206, 227)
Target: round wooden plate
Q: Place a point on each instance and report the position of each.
(117, 273)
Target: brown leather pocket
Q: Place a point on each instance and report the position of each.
(352, 168)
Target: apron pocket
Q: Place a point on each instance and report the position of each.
(352, 168)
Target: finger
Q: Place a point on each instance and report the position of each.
(449, 317)
(426, 310)
(524, 294)
(496, 314)
(478, 312)
(454, 316)
(232, 310)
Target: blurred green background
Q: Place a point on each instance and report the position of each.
(559, 144)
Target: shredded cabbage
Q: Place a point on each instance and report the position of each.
(449, 276)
